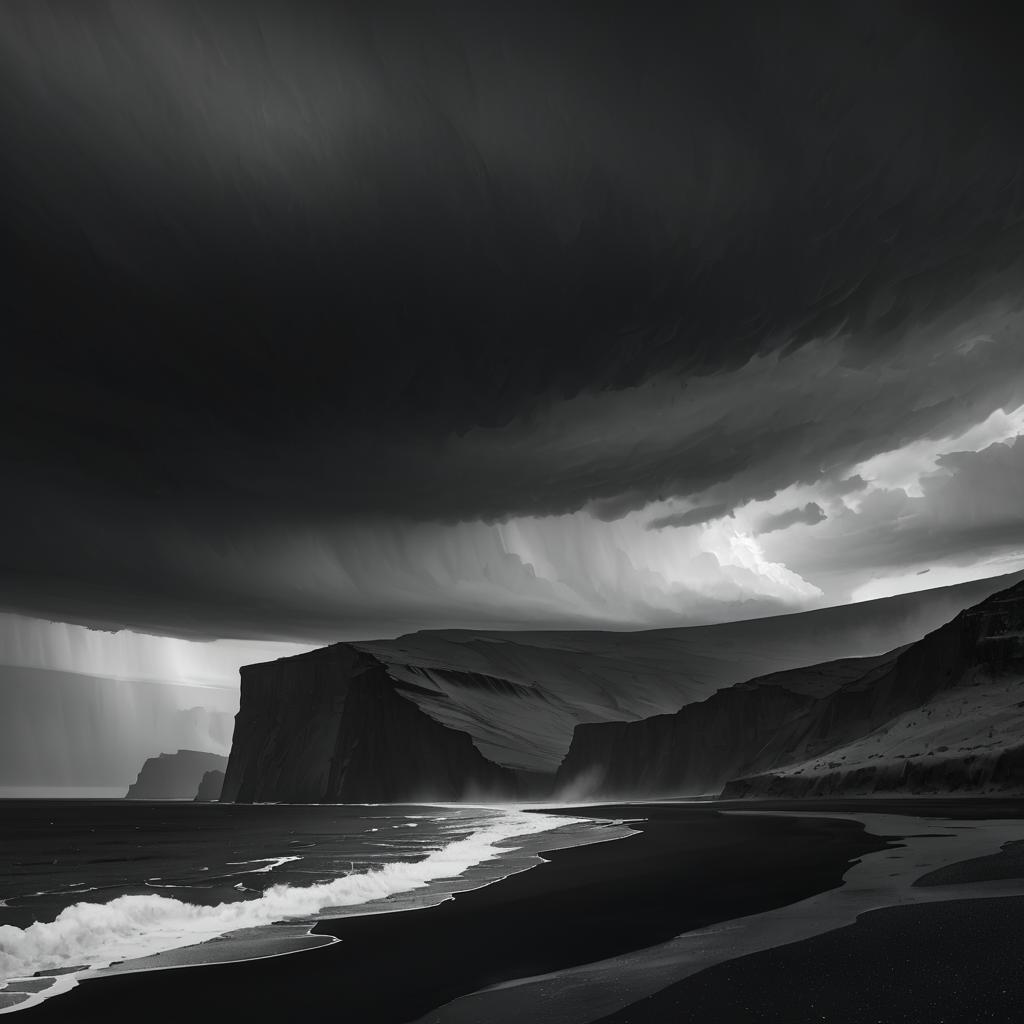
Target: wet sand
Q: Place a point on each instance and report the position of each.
(957, 962)
(972, 843)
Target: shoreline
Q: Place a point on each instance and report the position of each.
(686, 866)
(633, 932)
(492, 857)
(654, 985)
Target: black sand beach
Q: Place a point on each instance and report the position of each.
(955, 962)
(688, 867)
(944, 963)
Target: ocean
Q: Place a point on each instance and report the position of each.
(92, 886)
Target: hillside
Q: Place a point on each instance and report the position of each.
(943, 714)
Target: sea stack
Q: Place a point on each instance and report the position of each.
(210, 787)
(174, 776)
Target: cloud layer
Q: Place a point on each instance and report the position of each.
(307, 311)
(970, 509)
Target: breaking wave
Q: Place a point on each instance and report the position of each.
(97, 934)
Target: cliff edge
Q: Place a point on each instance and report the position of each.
(332, 726)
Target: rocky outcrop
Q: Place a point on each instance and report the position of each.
(210, 787)
(174, 776)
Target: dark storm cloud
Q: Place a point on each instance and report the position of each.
(810, 514)
(691, 517)
(734, 438)
(270, 272)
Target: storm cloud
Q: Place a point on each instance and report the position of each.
(810, 514)
(691, 517)
(390, 281)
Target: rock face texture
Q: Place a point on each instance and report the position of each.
(461, 715)
(174, 776)
(704, 745)
(210, 787)
(332, 726)
(944, 714)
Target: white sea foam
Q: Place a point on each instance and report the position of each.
(74, 889)
(269, 863)
(128, 927)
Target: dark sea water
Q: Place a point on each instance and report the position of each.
(53, 853)
(89, 883)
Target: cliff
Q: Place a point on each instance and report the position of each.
(332, 726)
(940, 715)
(698, 749)
(948, 716)
(450, 715)
(174, 776)
(456, 714)
(210, 787)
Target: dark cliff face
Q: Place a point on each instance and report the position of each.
(702, 746)
(174, 776)
(287, 725)
(477, 714)
(936, 716)
(332, 726)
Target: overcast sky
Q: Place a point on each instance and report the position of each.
(385, 318)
